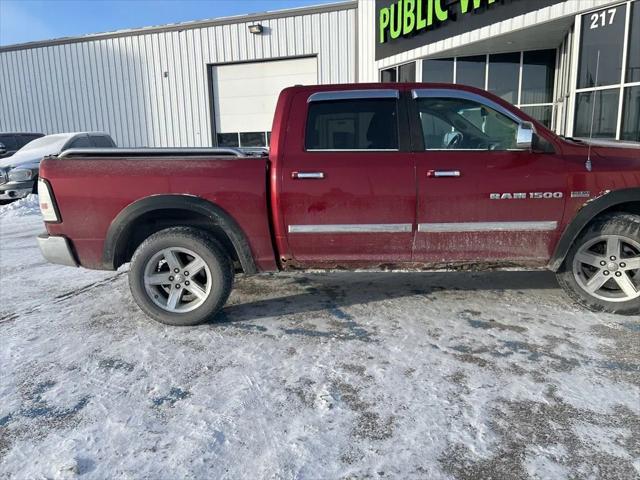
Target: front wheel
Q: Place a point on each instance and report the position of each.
(180, 276)
(602, 270)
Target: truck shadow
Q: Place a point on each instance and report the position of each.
(322, 291)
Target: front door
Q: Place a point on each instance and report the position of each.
(348, 194)
(480, 199)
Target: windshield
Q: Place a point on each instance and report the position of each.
(52, 143)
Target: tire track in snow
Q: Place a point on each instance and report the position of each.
(59, 299)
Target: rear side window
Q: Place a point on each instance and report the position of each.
(363, 124)
(80, 142)
(101, 141)
(9, 142)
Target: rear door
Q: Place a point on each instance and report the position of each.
(479, 197)
(348, 183)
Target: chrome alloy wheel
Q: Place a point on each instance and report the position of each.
(608, 268)
(177, 280)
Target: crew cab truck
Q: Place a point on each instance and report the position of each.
(367, 176)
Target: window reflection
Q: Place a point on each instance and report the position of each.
(504, 76)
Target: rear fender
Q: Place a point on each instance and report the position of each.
(117, 235)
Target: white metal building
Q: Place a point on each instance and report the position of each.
(215, 82)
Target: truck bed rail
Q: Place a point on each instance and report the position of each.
(159, 152)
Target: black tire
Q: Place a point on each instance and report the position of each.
(622, 225)
(214, 257)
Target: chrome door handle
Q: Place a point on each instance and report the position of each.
(443, 173)
(307, 175)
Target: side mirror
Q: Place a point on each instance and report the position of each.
(524, 137)
(3, 149)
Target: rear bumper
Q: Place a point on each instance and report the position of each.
(57, 250)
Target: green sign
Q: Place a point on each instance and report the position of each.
(407, 17)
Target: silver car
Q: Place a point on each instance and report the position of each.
(19, 173)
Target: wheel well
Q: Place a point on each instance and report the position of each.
(628, 207)
(151, 222)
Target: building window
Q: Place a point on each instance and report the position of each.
(389, 75)
(438, 70)
(405, 73)
(228, 140)
(606, 102)
(253, 139)
(602, 35)
(631, 117)
(538, 73)
(633, 65)
(471, 71)
(244, 139)
(602, 107)
(366, 124)
(532, 90)
(504, 76)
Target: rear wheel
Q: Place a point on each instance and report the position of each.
(180, 276)
(602, 269)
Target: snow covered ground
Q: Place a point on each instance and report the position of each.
(311, 376)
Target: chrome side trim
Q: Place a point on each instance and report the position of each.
(464, 95)
(354, 228)
(353, 95)
(487, 227)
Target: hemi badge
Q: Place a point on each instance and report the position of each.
(580, 194)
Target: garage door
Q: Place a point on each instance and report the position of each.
(245, 97)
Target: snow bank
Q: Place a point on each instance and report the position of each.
(20, 208)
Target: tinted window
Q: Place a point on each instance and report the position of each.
(602, 37)
(101, 141)
(228, 140)
(457, 124)
(471, 71)
(407, 72)
(603, 107)
(438, 70)
(633, 69)
(80, 142)
(352, 125)
(9, 142)
(252, 139)
(631, 116)
(504, 76)
(538, 72)
(388, 75)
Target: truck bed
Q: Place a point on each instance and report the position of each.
(93, 188)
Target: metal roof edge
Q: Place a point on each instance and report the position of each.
(252, 17)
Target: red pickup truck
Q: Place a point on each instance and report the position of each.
(377, 176)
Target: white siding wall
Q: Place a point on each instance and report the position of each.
(118, 85)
